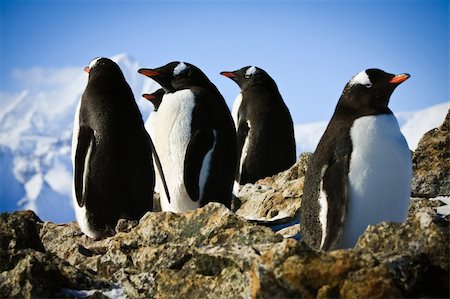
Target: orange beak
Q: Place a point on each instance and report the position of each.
(87, 69)
(149, 96)
(228, 74)
(148, 72)
(399, 78)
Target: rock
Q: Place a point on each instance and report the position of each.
(431, 163)
(213, 253)
(275, 197)
(165, 247)
(18, 231)
(424, 233)
(255, 252)
(27, 269)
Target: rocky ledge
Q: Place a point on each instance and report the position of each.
(253, 252)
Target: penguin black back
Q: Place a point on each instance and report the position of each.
(265, 131)
(113, 171)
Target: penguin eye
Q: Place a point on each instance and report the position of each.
(369, 85)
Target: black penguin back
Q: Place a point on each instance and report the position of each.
(119, 179)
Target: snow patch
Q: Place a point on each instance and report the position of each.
(115, 293)
(281, 215)
(445, 209)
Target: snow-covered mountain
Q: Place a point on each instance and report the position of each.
(36, 132)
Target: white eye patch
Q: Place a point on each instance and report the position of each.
(179, 68)
(250, 71)
(362, 79)
(94, 62)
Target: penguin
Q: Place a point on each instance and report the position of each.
(111, 153)
(195, 137)
(150, 125)
(265, 131)
(360, 173)
(155, 98)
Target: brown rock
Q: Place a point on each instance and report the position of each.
(431, 163)
(275, 197)
(370, 283)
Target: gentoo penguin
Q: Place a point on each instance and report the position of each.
(155, 98)
(360, 173)
(195, 138)
(111, 153)
(265, 133)
(150, 125)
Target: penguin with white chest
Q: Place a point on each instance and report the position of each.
(111, 153)
(360, 173)
(265, 132)
(195, 138)
(150, 125)
(155, 98)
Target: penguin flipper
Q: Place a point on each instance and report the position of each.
(241, 137)
(85, 146)
(335, 181)
(202, 141)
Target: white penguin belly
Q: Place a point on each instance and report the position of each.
(379, 178)
(172, 137)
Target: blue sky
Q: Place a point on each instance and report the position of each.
(310, 48)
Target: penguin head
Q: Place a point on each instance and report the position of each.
(371, 88)
(155, 98)
(249, 76)
(103, 67)
(176, 76)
